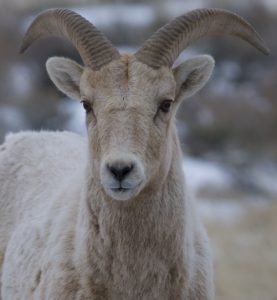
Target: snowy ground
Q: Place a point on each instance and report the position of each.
(203, 175)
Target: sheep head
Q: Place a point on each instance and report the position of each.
(131, 100)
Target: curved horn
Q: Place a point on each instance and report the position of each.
(165, 45)
(94, 48)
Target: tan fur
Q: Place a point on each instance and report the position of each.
(66, 235)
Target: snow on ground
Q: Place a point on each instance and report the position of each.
(265, 175)
(201, 173)
(224, 211)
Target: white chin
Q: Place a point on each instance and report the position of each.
(121, 195)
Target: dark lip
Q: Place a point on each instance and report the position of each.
(120, 189)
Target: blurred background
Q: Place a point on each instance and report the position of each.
(228, 130)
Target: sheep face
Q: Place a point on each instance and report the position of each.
(130, 100)
(130, 110)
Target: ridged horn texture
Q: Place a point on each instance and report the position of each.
(94, 48)
(165, 45)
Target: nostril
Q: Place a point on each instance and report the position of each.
(120, 171)
(127, 169)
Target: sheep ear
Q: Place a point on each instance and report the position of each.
(66, 75)
(192, 75)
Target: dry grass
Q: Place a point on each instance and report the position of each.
(246, 256)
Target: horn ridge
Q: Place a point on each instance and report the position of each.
(164, 46)
(84, 36)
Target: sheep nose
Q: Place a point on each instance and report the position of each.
(120, 170)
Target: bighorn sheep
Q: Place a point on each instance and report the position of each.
(107, 217)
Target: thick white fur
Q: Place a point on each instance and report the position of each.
(38, 175)
(62, 237)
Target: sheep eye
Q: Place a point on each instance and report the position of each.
(165, 105)
(87, 106)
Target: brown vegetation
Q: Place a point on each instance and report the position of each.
(245, 256)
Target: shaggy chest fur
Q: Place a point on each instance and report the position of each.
(132, 257)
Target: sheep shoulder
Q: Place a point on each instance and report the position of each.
(39, 178)
(36, 163)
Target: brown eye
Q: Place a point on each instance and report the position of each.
(87, 106)
(165, 106)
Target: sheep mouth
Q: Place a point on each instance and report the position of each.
(120, 189)
(123, 193)
(120, 193)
